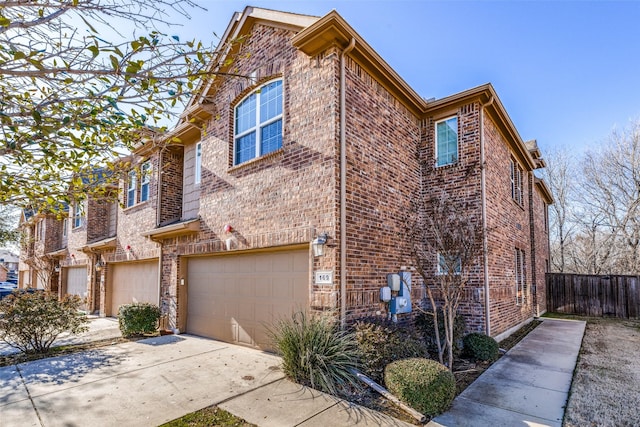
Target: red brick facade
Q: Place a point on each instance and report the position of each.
(286, 198)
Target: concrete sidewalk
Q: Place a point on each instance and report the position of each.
(152, 381)
(528, 386)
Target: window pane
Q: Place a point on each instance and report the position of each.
(271, 101)
(144, 192)
(245, 148)
(271, 137)
(447, 141)
(246, 114)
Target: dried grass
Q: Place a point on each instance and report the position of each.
(606, 383)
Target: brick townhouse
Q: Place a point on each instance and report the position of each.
(322, 146)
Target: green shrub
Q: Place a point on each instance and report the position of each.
(424, 324)
(381, 342)
(31, 321)
(138, 319)
(316, 353)
(480, 346)
(425, 385)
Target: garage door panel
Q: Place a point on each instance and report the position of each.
(133, 283)
(245, 294)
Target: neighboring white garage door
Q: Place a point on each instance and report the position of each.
(232, 298)
(133, 282)
(77, 281)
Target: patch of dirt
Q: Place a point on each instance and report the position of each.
(606, 383)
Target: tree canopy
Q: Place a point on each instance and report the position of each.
(76, 91)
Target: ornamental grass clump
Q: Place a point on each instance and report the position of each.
(480, 347)
(138, 319)
(31, 321)
(316, 353)
(424, 384)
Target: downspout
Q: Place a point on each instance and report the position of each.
(485, 244)
(343, 187)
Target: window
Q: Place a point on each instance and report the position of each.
(447, 141)
(258, 123)
(516, 182)
(138, 183)
(77, 215)
(198, 168)
(39, 225)
(520, 276)
(145, 172)
(131, 189)
(65, 224)
(445, 262)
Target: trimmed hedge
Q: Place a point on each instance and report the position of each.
(138, 319)
(381, 342)
(480, 346)
(424, 384)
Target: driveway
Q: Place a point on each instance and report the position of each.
(142, 383)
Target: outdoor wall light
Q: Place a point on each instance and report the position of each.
(99, 265)
(318, 244)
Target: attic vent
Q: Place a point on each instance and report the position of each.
(253, 77)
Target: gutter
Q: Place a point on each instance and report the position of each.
(485, 244)
(343, 187)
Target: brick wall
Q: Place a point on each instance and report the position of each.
(540, 236)
(171, 172)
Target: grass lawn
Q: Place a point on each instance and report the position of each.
(606, 382)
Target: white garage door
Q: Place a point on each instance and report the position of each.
(133, 282)
(77, 281)
(232, 298)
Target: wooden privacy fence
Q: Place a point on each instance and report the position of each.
(590, 295)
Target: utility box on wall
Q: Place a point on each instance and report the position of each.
(401, 303)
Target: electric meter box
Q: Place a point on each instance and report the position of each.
(393, 281)
(401, 303)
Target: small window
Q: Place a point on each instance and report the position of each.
(65, 225)
(131, 188)
(447, 141)
(77, 215)
(39, 225)
(198, 168)
(446, 262)
(258, 123)
(145, 179)
(520, 276)
(516, 182)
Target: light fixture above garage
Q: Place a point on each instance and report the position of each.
(318, 244)
(99, 265)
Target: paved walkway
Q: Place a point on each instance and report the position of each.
(149, 382)
(528, 386)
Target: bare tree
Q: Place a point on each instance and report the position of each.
(447, 247)
(560, 175)
(76, 91)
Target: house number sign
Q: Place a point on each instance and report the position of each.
(324, 277)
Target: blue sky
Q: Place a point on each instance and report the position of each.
(568, 72)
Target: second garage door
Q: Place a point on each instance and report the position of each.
(77, 281)
(233, 298)
(133, 282)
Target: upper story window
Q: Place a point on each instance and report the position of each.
(65, 225)
(145, 179)
(77, 215)
(258, 123)
(447, 141)
(138, 185)
(131, 188)
(198, 169)
(39, 231)
(516, 182)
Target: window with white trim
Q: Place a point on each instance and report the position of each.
(448, 262)
(131, 188)
(198, 165)
(65, 225)
(138, 185)
(258, 123)
(145, 179)
(77, 215)
(520, 276)
(447, 141)
(516, 182)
